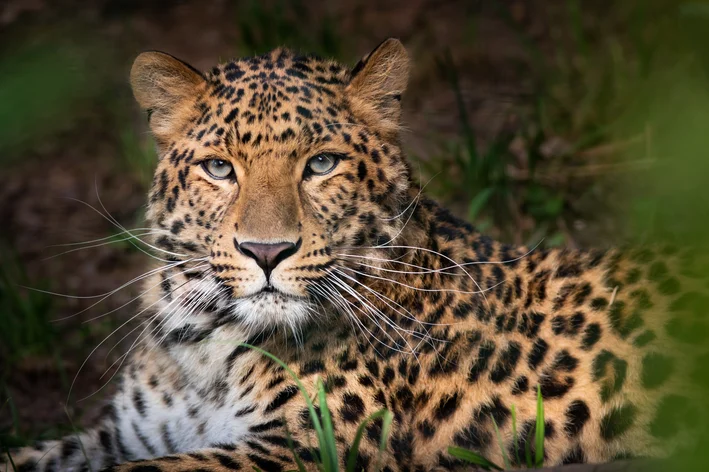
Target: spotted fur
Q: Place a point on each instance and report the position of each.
(381, 293)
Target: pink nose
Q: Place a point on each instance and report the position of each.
(267, 255)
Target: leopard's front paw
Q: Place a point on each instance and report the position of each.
(19, 459)
(41, 456)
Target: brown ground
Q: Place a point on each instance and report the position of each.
(34, 209)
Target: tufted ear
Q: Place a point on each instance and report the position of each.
(162, 84)
(379, 80)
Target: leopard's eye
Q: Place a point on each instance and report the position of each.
(321, 164)
(218, 168)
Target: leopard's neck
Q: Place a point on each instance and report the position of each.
(430, 278)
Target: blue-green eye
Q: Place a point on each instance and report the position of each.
(218, 168)
(321, 164)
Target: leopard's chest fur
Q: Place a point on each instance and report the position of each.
(182, 398)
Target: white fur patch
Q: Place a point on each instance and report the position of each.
(256, 313)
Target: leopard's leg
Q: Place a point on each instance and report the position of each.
(90, 450)
(251, 455)
(110, 442)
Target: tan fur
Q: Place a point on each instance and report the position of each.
(377, 89)
(166, 86)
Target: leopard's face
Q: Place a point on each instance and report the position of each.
(270, 168)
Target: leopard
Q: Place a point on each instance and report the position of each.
(286, 220)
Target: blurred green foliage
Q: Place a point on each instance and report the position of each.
(25, 315)
(597, 92)
(41, 82)
(479, 175)
(265, 26)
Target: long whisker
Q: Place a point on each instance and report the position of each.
(176, 300)
(193, 306)
(388, 300)
(146, 230)
(345, 306)
(71, 387)
(113, 221)
(143, 293)
(109, 293)
(408, 272)
(375, 312)
(422, 337)
(424, 270)
(455, 264)
(140, 338)
(183, 308)
(111, 240)
(420, 289)
(123, 357)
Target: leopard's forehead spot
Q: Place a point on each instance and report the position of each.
(276, 103)
(282, 65)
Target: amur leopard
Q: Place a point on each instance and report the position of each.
(286, 217)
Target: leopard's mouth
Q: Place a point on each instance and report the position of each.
(269, 292)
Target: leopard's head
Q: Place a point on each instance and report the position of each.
(269, 168)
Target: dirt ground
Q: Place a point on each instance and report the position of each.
(41, 192)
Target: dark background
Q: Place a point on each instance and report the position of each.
(578, 124)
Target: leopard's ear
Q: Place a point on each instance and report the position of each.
(162, 84)
(379, 80)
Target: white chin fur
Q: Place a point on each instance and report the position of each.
(268, 310)
(263, 311)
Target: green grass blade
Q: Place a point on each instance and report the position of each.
(515, 437)
(9, 457)
(386, 428)
(78, 438)
(13, 409)
(576, 15)
(500, 442)
(479, 202)
(311, 408)
(352, 457)
(472, 458)
(539, 431)
(291, 446)
(528, 452)
(328, 447)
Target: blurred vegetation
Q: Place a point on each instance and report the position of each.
(628, 99)
(45, 81)
(25, 315)
(628, 105)
(265, 26)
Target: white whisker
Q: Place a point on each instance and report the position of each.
(142, 230)
(424, 270)
(114, 222)
(111, 240)
(71, 387)
(420, 289)
(388, 300)
(107, 294)
(144, 292)
(124, 356)
(375, 312)
(345, 306)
